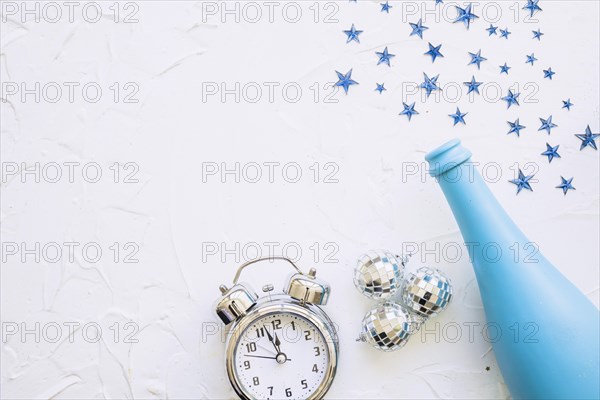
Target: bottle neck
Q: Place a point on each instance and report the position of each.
(481, 219)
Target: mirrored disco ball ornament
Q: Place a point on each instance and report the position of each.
(388, 326)
(379, 274)
(427, 292)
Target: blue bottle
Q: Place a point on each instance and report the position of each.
(549, 345)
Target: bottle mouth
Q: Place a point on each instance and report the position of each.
(449, 155)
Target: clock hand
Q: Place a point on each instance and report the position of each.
(270, 358)
(270, 351)
(275, 344)
(250, 355)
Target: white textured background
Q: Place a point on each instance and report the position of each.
(170, 54)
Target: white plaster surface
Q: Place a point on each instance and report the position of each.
(174, 217)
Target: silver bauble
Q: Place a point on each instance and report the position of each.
(388, 326)
(379, 274)
(427, 292)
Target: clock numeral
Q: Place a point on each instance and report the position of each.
(293, 326)
(255, 381)
(270, 390)
(304, 384)
(315, 369)
(288, 392)
(276, 323)
(246, 364)
(307, 335)
(251, 347)
(317, 351)
(260, 332)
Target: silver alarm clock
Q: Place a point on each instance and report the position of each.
(280, 346)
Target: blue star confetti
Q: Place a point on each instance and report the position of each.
(537, 34)
(430, 84)
(409, 110)
(473, 85)
(511, 98)
(458, 117)
(566, 185)
(515, 127)
(588, 139)
(465, 15)
(385, 57)
(418, 28)
(504, 69)
(551, 152)
(548, 73)
(476, 59)
(345, 80)
(504, 33)
(532, 6)
(547, 124)
(352, 34)
(434, 52)
(531, 59)
(567, 104)
(522, 182)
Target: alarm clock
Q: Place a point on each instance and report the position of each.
(281, 345)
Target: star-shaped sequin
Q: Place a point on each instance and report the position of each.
(547, 124)
(473, 85)
(409, 110)
(515, 127)
(588, 139)
(504, 33)
(537, 34)
(522, 182)
(465, 15)
(511, 98)
(531, 59)
(532, 6)
(380, 88)
(504, 69)
(345, 81)
(566, 185)
(434, 52)
(418, 28)
(548, 73)
(476, 59)
(352, 34)
(384, 57)
(492, 30)
(458, 117)
(430, 84)
(385, 7)
(551, 152)
(567, 104)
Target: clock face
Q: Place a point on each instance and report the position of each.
(281, 355)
